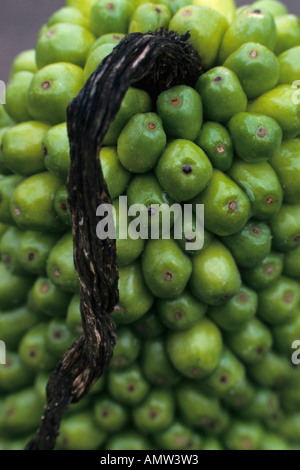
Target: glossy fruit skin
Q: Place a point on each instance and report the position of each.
(128, 440)
(141, 142)
(61, 205)
(128, 386)
(94, 58)
(277, 303)
(105, 19)
(265, 273)
(249, 26)
(251, 62)
(34, 250)
(48, 299)
(60, 264)
(255, 137)
(183, 170)
(116, 176)
(22, 151)
(176, 437)
(16, 96)
(198, 409)
(58, 337)
(196, 352)
(24, 62)
(33, 349)
(63, 42)
(251, 342)
(23, 411)
(261, 185)
(149, 17)
(156, 365)
(13, 288)
(32, 206)
(240, 395)
(210, 284)
(233, 314)
(135, 298)
(7, 187)
(288, 32)
(56, 150)
(180, 313)
(226, 206)
(250, 246)
(81, 431)
(274, 7)
(127, 348)
(109, 38)
(166, 268)
(135, 101)
(52, 88)
(273, 370)
(216, 142)
(285, 227)
(221, 93)
(286, 163)
(10, 250)
(289, 66)
(244, 435)
(181, 111)
(285, 334)
(128, 249)
(227, 374)
(291, 264)
(109, 414)
(14, 323)
(156, 413)
(14, 375)
(149, 325)
(280, 105)
(67, 15)
(207, 28)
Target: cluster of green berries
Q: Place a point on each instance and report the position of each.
(203, 356)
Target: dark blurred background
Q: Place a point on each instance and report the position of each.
(21, 20)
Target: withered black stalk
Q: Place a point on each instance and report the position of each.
(154, 62)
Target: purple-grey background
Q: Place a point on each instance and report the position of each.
(20, 21)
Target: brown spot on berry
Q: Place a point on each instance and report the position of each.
(118, 309)
(10, 411)
(31, 256)
(151, 125)
(232, 206)
(297, 238)
(17, 211)
(50, 33)
(262, 132)
(187, 169)
(186, 13)
(243, 298)
(44, 288)
(220, 148)
(254, 53)
(110, 6)
(56, 272)
(219, 79)
(63, 207)
(177, 315)
(120, 361)
(270, 200)
(45, 151)
(116, 37)
(153, 414)
(168, 276)
(180, 440)
(224, 298)
(131, 387)
(175, 101)
(32, 353)
(195, 371)
(288, 298)
(45, 85)
(105, 413)
(269, 270)
(224, 379)
(255, 230)
(260, 350)
(158, 10)
(57, 334)
(246, 444)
